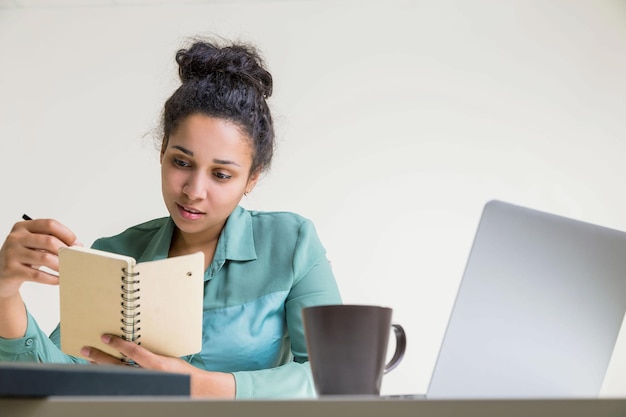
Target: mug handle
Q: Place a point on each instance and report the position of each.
(400, 347)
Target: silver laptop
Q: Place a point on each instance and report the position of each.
(538, 310)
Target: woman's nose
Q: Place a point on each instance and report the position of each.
(195, 187)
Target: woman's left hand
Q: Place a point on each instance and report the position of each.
(141, 356)
(203, 383)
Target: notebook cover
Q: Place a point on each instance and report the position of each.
(90, 301)
(170, 301)
(42, 380)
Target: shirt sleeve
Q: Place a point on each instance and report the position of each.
(314, 284)
(292, 380)
(34, 346)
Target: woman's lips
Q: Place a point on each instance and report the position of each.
(189, 213)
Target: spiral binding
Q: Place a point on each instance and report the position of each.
(130, 307)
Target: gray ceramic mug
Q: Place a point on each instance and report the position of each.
(347, 346)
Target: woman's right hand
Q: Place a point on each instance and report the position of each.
(32, 244)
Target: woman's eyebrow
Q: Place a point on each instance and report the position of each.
(215, 160)
(183, 150)
(225, 162)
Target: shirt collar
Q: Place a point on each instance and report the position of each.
(236, 242)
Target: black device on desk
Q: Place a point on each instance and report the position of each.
(42, 380)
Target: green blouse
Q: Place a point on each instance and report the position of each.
(266, 268)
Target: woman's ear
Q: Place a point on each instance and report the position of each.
(254, 178)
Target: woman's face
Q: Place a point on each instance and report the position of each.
(205, 170)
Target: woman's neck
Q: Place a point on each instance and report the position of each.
(183, 244)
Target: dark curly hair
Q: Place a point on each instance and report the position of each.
(227, 82)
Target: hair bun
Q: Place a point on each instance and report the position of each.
(239, 62)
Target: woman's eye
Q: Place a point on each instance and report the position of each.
(181, 163)
(222, 176)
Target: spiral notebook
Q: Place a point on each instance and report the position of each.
(157, 304)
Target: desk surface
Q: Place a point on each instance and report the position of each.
(161, 406)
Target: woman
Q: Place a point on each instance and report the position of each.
(262, 268)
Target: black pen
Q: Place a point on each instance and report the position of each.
(26, 217)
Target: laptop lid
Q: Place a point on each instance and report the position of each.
(538, 310)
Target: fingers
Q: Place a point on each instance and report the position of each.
(30, 246)
(131, 350)
(139, 355)
(26, 255)
(99, 357)
(57, 234)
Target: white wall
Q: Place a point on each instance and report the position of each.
(397, 121)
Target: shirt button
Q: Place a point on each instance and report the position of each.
(29, 342)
